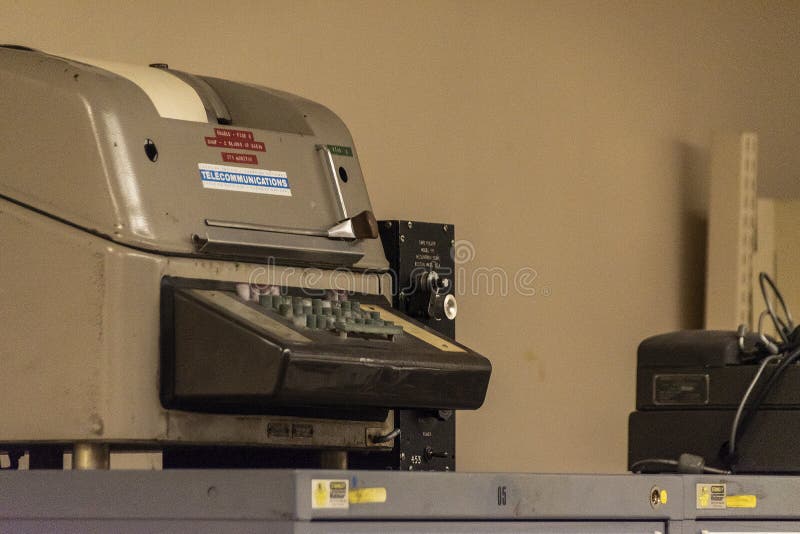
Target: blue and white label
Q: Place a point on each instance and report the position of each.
(244, 180)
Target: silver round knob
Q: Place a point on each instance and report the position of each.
(450, 307)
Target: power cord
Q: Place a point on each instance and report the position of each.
(784, 328)
(386, 437)
(735, 425)
(685, 464)
(747, 416)
(787, 350)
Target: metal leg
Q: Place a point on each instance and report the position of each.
(333, 459)
(90, 456)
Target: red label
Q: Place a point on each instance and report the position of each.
(227, 133)
(232, 157)
(223, 142)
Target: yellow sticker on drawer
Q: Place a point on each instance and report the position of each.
(741, 501)
(367, 495)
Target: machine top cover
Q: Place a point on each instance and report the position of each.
(170, 162)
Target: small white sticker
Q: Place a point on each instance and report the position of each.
(244, 179)
(711, 496)
(330, 493)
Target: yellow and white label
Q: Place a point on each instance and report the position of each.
(711, 497)
(330, 493)
(715, 497)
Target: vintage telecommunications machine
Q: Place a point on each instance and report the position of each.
(191, 265)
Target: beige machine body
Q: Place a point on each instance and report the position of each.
(80, 321)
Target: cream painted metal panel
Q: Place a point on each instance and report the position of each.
(92, 373)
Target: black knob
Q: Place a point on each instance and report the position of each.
(444, 415)
(430, 453)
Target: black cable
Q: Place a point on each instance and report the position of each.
(715, 471)
(686, 463)
(790, 359)
(749, 412)
(784, 328)
(636, 467)
(387, 437)
(743, 403)
(789, 347)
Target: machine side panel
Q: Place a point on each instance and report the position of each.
(52, 328)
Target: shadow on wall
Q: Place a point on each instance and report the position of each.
(694, 184)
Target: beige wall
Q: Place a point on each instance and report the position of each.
(568, 137)
(787, 256)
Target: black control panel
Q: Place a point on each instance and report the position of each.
(420, 255)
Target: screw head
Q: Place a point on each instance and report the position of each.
(388, 224)
(445, 227)
(402, 239)
(410, 224)
(655, 497)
